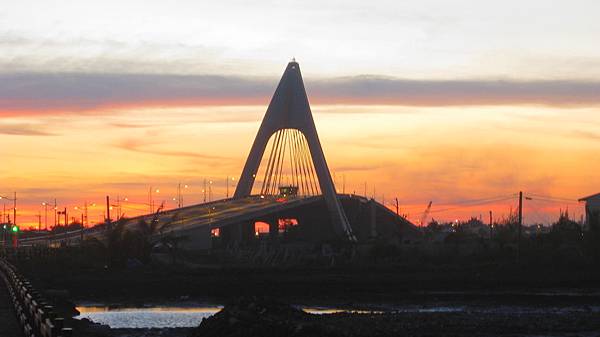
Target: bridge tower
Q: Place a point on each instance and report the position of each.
(289, 109)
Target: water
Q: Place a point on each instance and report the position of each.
(191, 316)
(151, 317)
(168, 317)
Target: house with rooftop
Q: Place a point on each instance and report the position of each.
(592, 206)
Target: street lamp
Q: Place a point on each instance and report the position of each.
(45, 204)
(132, 205)
(180, 195)
(84, 215)
(232, 179)
(14, 200)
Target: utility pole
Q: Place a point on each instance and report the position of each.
(179, 195)
(66, 217)
(227, 183)
(81, 238)
(39, 221)
(491, 225)
(397, 207)
(107, 209)
(55, 210)
(204, 190)
(118, 207)
(520, 225)
(150, 200)
(15, 209)
(45, 215)
(343, 184)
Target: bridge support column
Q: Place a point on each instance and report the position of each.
(247, 232)
(199, 239)
(273, 230)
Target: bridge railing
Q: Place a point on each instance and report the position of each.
(34, 314)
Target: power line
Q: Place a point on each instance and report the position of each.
(554, 201)
(479, 203)
(548, 197)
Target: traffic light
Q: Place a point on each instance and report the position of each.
(15, 229)
(4, 226)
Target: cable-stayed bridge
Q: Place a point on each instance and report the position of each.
(296, 194)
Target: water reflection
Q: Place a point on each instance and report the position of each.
(191, 316)
(170, 317)
(151, 317)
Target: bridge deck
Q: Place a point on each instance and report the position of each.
(214, 214)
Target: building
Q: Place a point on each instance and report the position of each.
(592, 205)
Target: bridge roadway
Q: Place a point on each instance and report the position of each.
(213, 214)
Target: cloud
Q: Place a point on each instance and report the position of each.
(388, 90)
(358, 167)
(24, 130)
(43, 93)
(143, 147)
(586, 135)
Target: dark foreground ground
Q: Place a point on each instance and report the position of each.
(493, 299)
(264, 317)
(8, 321)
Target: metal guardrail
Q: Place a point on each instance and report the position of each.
(35, 316)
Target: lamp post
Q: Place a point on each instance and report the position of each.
(150, 199)
(45, 204)
(128, 204)
(84, 214)
(232, 179)
(14, 200)
(180, 195)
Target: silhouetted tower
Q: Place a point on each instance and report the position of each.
(290, 109)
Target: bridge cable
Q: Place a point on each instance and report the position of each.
(283, 151)
(292, 167)
(297, 169)
(268, 168)
(303, 165)
(267, 171)
(308, 161)
(303, 172)
(310, 164)
(280, 156)
(276, 164)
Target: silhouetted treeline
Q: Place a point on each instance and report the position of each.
(564, 242)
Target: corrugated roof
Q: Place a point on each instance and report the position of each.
(590, 197)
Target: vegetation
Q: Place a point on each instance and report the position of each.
(127, 245)
(566, 242)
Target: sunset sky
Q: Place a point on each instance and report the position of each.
(449, 101)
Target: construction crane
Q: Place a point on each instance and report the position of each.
(425, 214)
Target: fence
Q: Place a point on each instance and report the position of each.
(34, 314)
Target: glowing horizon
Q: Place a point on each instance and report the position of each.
(422, 100)
(417, 154)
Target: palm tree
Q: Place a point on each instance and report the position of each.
(149, 233)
